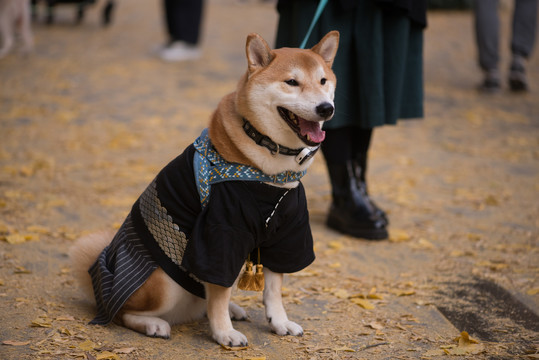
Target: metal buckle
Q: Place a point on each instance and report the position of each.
(306, 154)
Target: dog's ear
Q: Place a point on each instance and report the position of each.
(258, 52)
(327, 47)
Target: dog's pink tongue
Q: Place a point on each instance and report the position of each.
(312, 129)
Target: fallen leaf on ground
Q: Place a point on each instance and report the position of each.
(38, 229)
(435, 352)
(15, 239)
(375, 325)
(397, 235)
(341, 294)
(335, 245)
(21, 270)
(474, 237)
(345, 349)
(466, 345)
(234, 348)
(65, 331)
(128, 350)
(423, 243)
(365, 304)
(406, 293)
(533, 291)
(491, 201)
(107, 355)
(494, 266)
(41, 323)
(4, 229)
(15, 343)
(410, 317)
(461, 253)
(465, 340)
(87, 345)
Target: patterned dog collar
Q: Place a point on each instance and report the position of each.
(211, 168)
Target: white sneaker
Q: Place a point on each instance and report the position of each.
(180, 51)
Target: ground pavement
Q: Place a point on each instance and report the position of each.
(88, 119)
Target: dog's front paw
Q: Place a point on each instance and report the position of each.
(286, 328)
(232, 338)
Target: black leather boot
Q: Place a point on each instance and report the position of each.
(351, 211)
(359, 165)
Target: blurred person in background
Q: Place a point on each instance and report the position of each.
(487, 31)
(183, 20)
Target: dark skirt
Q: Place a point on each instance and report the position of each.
(121, 269)
(379, 64)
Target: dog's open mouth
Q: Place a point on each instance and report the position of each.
(308, 131)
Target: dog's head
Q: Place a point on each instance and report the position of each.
(287, 94)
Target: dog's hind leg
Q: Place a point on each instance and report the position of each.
(275, 312)
(159, 303)
(236, 312)
(218, 313)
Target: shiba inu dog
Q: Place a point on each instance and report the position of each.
(15, 19)
(234, 194)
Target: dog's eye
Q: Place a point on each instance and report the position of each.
(292, 82)
(323, 81)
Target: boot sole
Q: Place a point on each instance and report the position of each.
(368, 234)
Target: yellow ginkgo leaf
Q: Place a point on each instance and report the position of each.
(335, 245)
(464, 339)
(365, 304)
(533, 291)
(107, 355)
(87, 345)
(341, 294)
(398, 235)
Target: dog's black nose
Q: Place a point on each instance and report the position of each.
(325, 110)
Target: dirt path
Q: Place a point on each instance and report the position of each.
(91, 116)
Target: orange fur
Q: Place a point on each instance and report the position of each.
(147, 297)
(83, 254)
(260, 91)
(221, 139)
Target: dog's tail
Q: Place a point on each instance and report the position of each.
(83, 253)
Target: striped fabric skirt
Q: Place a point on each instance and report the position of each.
(121, 268)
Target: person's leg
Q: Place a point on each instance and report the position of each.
(189, 18)
(170, 19)
(522, 41)
(487, 30)
(360, 151)
(183, 19)
(350, 212)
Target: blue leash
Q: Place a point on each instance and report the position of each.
(321, 5)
